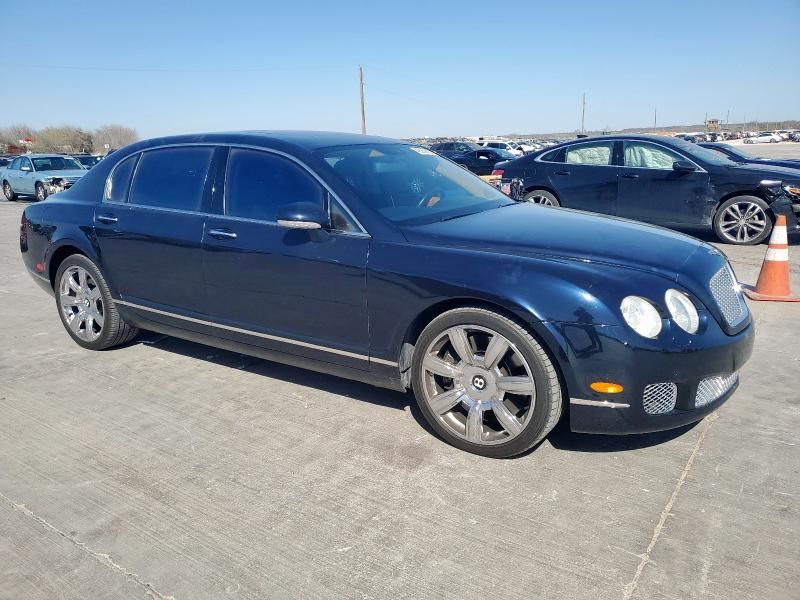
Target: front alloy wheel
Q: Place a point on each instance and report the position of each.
(41, 193)
(9, 192)
(743, 220)
(484, 384)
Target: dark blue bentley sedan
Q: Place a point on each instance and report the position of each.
(380, 261)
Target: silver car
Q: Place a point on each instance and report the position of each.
(40, 175)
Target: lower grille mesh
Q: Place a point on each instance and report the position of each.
(660, 398)
(712, 388)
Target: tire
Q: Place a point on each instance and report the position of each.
(41, 193)
(475, 410)
(541, 197)
(732, 227)
(748, 141)
(92, 299)
(8, 192)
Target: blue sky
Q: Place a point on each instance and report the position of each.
(432, 68)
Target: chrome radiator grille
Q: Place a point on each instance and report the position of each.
(712, 388)
(727, 296)
(660, 398)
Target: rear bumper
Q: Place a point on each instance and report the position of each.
(718, 355)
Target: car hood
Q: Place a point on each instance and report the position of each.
(767, 171)
(784, 163)
(71, 173)
(527, 229)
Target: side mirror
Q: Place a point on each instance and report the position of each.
(684, 166)
(25, 168)
(302, 215)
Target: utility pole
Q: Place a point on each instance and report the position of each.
(728, 118)
(363, 110)
(655, 119)
(583, 114)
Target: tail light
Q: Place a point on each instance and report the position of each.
(498, 172)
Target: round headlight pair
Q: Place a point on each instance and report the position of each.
(640, 314)
(682, 311)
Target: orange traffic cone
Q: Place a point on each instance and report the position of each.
(773, 281)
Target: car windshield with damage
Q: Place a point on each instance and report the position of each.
(411, 185)
(55, 163)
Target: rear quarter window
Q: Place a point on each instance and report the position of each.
(553, 156)
(119, 182)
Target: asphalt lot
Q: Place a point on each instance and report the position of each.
(780, 150)
(168, 469)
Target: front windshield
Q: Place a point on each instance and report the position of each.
(411, 185)
(710, 156)
(739, 152)
(88, 161)
(56, 163)
(505, 154)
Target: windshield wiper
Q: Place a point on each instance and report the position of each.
(459, 216)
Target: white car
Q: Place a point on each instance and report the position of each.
(511, 147)
(764, 137)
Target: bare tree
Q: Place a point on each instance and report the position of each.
(62, 139)
(11, 135)
(116, 136)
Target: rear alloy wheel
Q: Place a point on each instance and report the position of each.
(8, 192)
(542, 197)
(86, 307)
(41, 193)
(743, 220)
(484, 383)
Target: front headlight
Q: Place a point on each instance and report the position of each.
(641, 315)
(794, 190)
(682, 310)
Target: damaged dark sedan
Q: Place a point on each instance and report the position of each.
(656, 179)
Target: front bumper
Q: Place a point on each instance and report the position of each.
(685, 366)
(57, 185)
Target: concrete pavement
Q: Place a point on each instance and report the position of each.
(167, 469)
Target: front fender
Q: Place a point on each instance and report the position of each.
(405, 281)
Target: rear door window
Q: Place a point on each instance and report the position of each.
(172, 178)
(259, 184)
(597, 153)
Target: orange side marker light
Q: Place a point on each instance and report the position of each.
(606, 387)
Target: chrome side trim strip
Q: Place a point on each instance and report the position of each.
(257, 333)
(381, 361)
(598, 403)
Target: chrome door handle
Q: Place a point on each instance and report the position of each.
(562, 173)
(107, 219)
(630, 176)
(222, 234)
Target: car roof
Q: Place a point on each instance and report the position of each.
(307, 140)
(42, 155)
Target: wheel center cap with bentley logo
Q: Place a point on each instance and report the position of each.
(479, 383)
